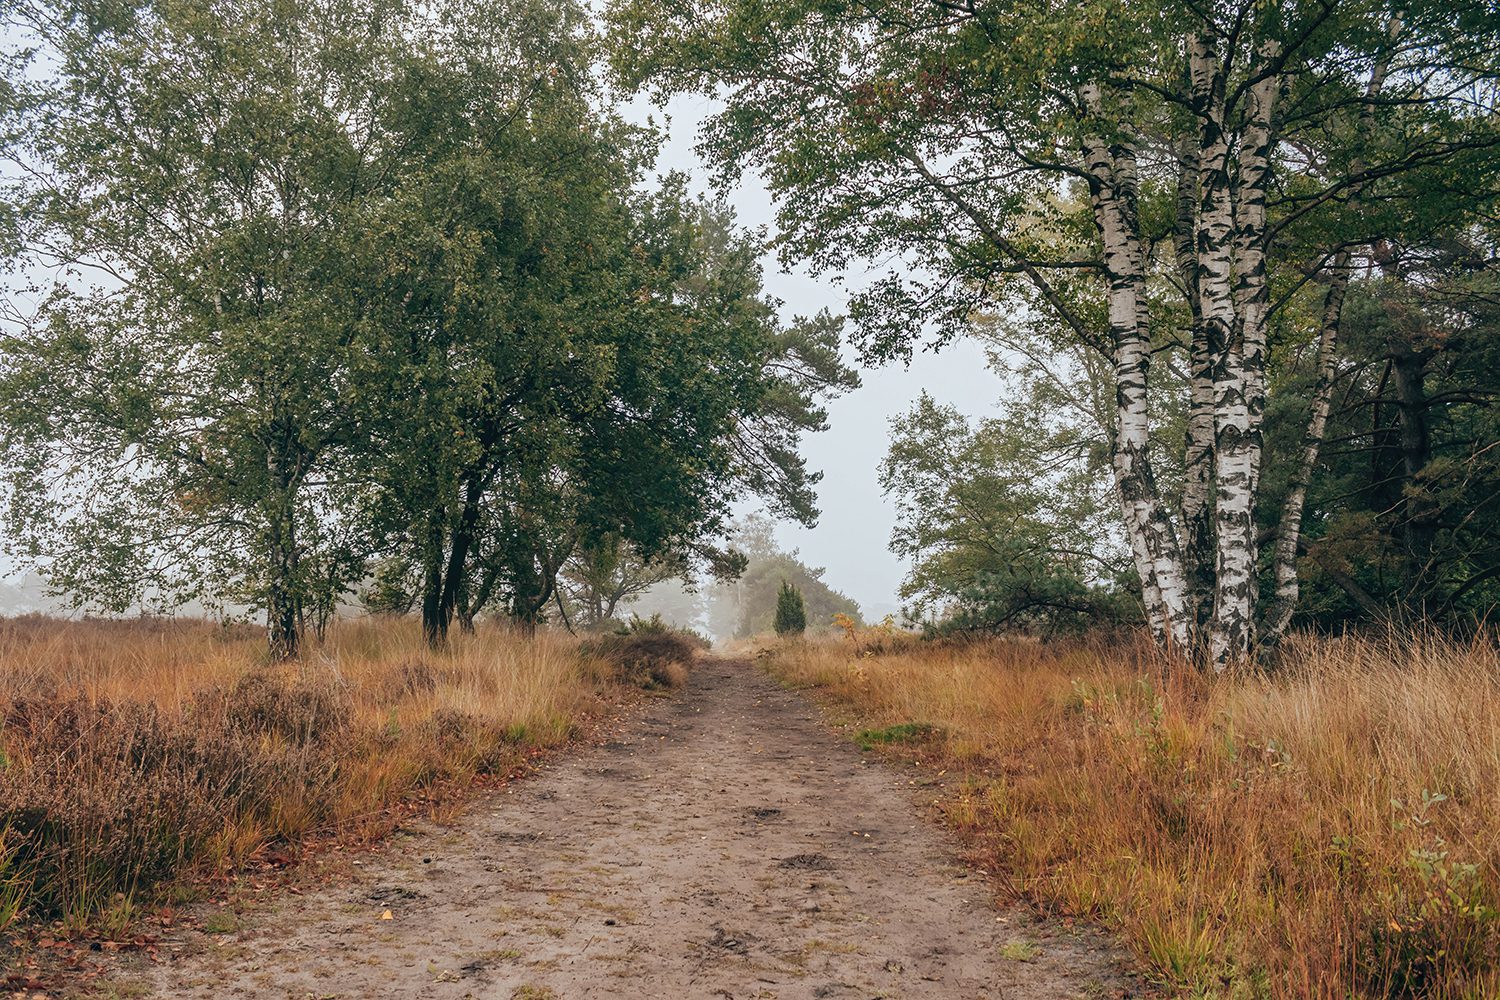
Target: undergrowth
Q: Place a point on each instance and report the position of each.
(138, 753)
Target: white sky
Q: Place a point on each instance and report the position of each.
(851, 537)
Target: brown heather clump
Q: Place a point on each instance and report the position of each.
(1328, 831)
(137, 753)
(652, 659)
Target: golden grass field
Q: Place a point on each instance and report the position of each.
(1329, 831)
(139, 753)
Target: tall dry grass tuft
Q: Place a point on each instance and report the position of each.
(1329, 831)
(136, 752)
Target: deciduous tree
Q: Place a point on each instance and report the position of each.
(1160, 180)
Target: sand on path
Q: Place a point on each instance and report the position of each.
(724, 844)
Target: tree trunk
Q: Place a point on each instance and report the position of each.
(1231, 240)
(1232, 626)
(1418, 512)
(283, 608)
(1198, 454)
(526, 608)
(477, 599)
(464, 609)
(1289, 531)
(460, 546)
(434, 625)
(446, 585)
(1113, 185)
(283, 584)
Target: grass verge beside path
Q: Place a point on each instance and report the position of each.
(1332, 831)
(137, 754)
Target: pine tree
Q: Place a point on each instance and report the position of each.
(791, 614)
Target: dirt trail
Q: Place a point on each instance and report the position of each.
(725, 844)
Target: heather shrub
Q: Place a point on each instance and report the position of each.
(100, 799)
(656, 626)
(298, 710)
(415, 677)
(134, 753)
(648, 659)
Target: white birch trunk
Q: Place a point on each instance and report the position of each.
(1232, 624)
(1153, 539)
(1289, 531)
(1240, 382)
(1198, 455)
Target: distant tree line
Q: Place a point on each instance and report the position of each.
(366, 294)
(748, 605)
(601, 588)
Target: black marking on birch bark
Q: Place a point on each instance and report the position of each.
(1113, 183)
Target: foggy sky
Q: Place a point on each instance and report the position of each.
(851, 537)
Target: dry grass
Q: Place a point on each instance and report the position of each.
(136, 753)
(1332, 831)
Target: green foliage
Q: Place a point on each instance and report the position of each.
(373, 286)
(613, 451)
(791, 613)
(743, 602)
(754, 598)
(1008, 524)
(1404, 514)
(607, 575)
(901, 732)
(897, 130)
(202, 217)
(953, 144)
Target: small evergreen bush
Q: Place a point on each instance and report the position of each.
(791, 613)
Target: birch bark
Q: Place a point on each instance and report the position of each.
(1237, 266)
(1231, 627)
(1289, 529)
(1113, 183)
(1198, 456)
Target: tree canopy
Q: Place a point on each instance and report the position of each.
(321, 284)
(1184, 191)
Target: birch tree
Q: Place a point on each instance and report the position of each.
(185, 194)
(1164, 181)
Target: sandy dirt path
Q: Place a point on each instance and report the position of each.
(723, 844)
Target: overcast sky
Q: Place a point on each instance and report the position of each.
(852, 535)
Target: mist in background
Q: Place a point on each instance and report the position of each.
(850, 539)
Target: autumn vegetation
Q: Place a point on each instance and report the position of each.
(1328, 832)
(142, 755)
(383, 324)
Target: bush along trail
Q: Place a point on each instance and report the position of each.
(721, 844)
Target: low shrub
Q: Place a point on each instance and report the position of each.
(103, 799)
(133, 755)
(295, 709)
(648, 658)
(656, 626)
